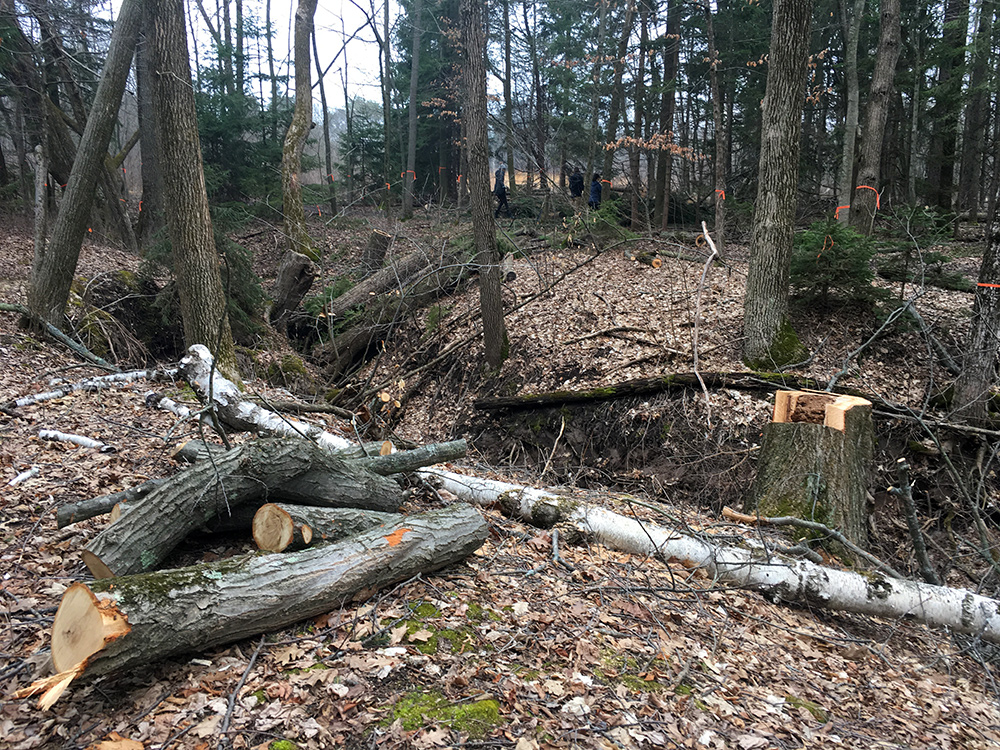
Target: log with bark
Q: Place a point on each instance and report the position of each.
(815, 461)
(295, 278)
(142, 537)
(128, 622)
(399, 272)
(750, 566)
(280, 527)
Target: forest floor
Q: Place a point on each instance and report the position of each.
(509, 649)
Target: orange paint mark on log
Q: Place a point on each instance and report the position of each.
(396, 537)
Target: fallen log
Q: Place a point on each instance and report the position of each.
(751, 566)
(375, 250)
(145, 534)
(120, 624)
(391, 277)
(280, 527)
(240, 414)
(98, 506)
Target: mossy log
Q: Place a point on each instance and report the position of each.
(127, 622)
(145, 534)
(280, 527)
(815, 462)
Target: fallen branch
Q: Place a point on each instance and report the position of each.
(98, 506)
(82, 440)
(93, 384)
(59, 336)
(750, 566)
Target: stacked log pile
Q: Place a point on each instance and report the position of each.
(323, 511)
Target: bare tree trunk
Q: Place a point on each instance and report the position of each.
(327, 148)
(196, 265)
(851, 28)
(671, 64)
(295, 139)
(52, 270)
(409, 176)
(721, 137)
(976, 116)
(617, 93)
(865, 201)
(639, 214)
(508, 99)
(769, 340)
(483, 225)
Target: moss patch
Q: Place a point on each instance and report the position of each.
(419, 709)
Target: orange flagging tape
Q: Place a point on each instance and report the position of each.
(719, 191)
(991, 286)
(825, 245)
(877, 200)
(836, 214)
(409, 171)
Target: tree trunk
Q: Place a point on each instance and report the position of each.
(280, 527)
(397, 275)
(327, 147)
(152, 527)
(721, 139)
(974, 386)
(483, 225)
(52, 270)
(508, 99)
(976, 116)
(671, 64)
(815, 462)
(769, 340)
(196, 265)
(410, 176)
(749, 566)
(866, 199)
(295, 139)
(151, 202)
(850, 23)
(947, 103)
(638, 206)
(124, 623)
(617, 95)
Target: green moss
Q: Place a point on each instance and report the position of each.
(282, 745)
(423, 610)
(618, 669)
(419, 709)
(159, 586)
(786, 349)
(478, 613)
(817, 712)
(261, 697)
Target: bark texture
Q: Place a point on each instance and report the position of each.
(281, 527)
(295, 278)
(865, 201)
(147, 532)
(196, 266)
(55, 263)
(815, 462)
(769, 340)
(177, 611)
(483, 224)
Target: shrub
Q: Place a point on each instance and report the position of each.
(832, 260)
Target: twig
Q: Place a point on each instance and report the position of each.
(733, 515)
(851, 355)
(236, 690)
(905, 491)
(562, 427)
(697, 316)
(59, 336)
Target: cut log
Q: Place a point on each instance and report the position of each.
(129, 622)
(295, 277)
(374, 254)
(240, 414)
(98, 506)
(751, 566)
(147, 533)
(280, 527)
(649, 259)
(815, 462)
(398, 272)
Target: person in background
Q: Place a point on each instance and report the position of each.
(595, 191)
(500, 191)
(576, 186)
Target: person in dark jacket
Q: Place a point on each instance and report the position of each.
(500, 191)
(576, 185)
(595, 192)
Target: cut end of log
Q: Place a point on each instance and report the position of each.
(95, 565)
(274, 530)
(82, 627)
(829, 409)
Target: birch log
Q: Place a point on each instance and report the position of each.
(243, 415)
(145, 534)
(120, 624)
(778, 577)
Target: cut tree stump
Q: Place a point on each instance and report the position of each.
(374, 254)
(127, 622)
(815, 461)
(280, 527)
(295, 277)
(147, 532)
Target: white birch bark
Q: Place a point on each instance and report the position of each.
(213, 387)
(93, 384)
(751, 566)
(82, 440)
